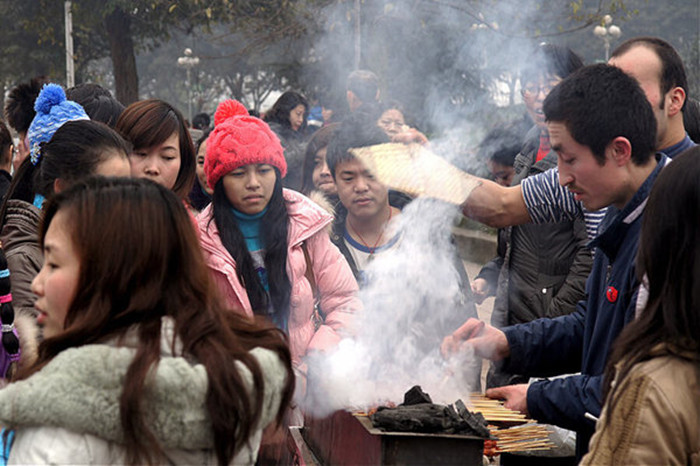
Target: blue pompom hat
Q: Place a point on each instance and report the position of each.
(52, 110)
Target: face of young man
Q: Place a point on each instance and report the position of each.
(361, 194)
(644, 65)
(502, 174)
(595, 185)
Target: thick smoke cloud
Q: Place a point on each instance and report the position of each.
(454, 66)
(412, 301)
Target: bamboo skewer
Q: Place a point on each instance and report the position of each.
(528, 436)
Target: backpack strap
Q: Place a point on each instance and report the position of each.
(309, 274)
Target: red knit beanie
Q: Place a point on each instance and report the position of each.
(239, 139)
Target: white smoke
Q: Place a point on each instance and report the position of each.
(413, 299)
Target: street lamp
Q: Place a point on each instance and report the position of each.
(188, 62)
(607, 31)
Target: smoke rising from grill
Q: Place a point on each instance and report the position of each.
(455, 69)
(412, 301)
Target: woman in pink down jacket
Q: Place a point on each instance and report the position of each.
(258, 238)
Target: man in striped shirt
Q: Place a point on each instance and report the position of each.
(542, 198)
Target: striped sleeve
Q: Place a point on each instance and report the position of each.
(549, 202)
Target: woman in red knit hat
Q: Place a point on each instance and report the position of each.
(268, 247)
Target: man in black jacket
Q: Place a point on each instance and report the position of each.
(545, 266)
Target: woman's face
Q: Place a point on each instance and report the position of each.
(201, 176)
(321, 176)
(392, 122)
(114, 163)
(159, 163)
(250, 187)
(296, 117)
(56, 284)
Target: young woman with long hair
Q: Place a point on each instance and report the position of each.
(65, 147)
(287, 118)
(268, 247)
(140, 362)
(163, 149)
(652, 379)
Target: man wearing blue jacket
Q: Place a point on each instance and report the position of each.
(604, 132)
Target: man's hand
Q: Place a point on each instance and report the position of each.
(480, 290)
(488, 341)
(409, 135)
(515, 396)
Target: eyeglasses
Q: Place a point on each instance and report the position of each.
(533, 88)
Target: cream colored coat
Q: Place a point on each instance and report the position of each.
(657, 416)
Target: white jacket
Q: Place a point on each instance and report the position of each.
(68, 413)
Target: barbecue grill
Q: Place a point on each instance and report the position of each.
(345, 438)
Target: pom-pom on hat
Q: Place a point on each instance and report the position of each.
(52, 110)
(239, 139)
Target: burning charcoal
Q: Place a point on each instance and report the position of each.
(416, 396)
(475, 421)
(427, 418)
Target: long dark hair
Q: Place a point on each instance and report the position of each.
(669, 262)
(148, 123)
(97, 101)
(197, 197)
(5, 144)
(151, 269)
(22, 186)
(279, 113)
(75, 151)
(274, 230)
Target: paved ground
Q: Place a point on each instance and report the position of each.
(484, 310)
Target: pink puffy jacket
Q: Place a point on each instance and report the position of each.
(334, 280)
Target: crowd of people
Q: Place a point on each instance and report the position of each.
(162, 286)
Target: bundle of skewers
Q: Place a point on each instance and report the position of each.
(514, 431)
(494, 412)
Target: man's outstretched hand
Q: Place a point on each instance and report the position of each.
(488, 341)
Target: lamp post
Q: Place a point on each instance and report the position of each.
(607, 31)
(188, 62)
(70, 63)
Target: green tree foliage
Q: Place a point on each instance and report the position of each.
(121, 28)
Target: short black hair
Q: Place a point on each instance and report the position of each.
(551, 59)
(358, 130)
(364, 84)
(19, 106)
(500, 145)
(691, 118)
(97, 102)
(5, 144)
(672, 69)
(201, 121)
(599, 103)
